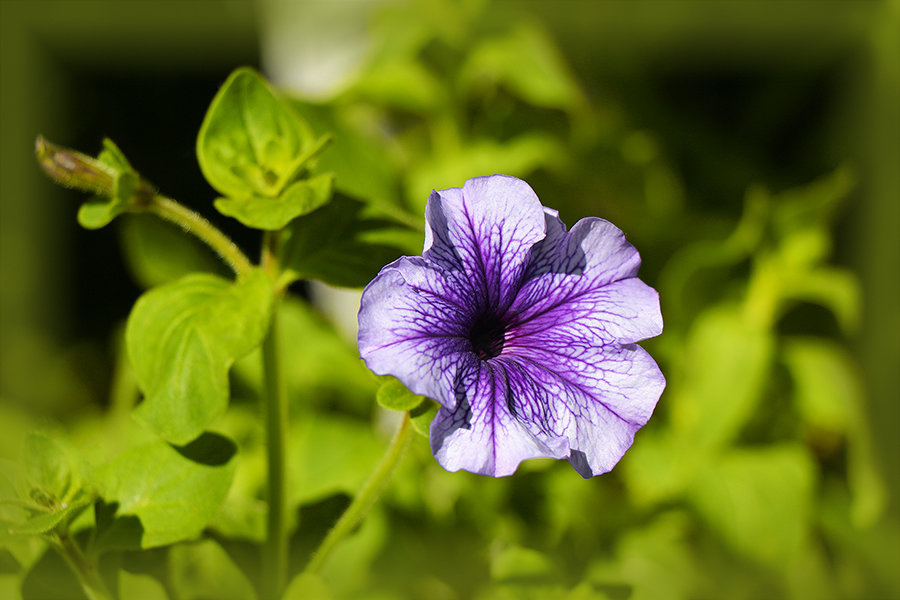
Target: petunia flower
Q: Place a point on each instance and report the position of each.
(523, 332)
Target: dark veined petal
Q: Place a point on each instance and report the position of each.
(413, 324)
(596, 397)
(486, 229)
(623, 312)
(483, 433)
(582, 285)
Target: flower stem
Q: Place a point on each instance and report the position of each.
(275, 551)
(197, 225)
(84, 569)
(364, 499)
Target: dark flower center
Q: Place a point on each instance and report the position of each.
(487, 335)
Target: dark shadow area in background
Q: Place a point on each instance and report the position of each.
(154, 117)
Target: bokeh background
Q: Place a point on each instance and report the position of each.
(750, 150)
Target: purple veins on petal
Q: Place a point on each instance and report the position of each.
(523, 332)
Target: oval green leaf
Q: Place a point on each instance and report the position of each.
(250, 139)
(393, 395)
(163, 494)
(182, 339)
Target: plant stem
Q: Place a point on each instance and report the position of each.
(275, 552)
(364, 499)
(85, 570)
(197, 225)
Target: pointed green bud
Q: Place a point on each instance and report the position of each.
(75, 170)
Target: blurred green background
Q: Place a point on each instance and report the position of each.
(750, 150)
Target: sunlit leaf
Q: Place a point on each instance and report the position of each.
(52, 469)
(307, 586)
(830, 398)
(182, 339)
(101, 210)
(330, 455)
(204, 570)
(759, 500)
(300, 198)
(528, 64)
(251, 140)
(517, 562)
(725, 365)
(654, 561)
(393, 395)
(163, 494)
(518, 156)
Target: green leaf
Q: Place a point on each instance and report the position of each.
(518, 156)
(393, 395)
(158, 252)
(300, 198)
(204, 570)
(726, 365)
(654, 560)
(101, 210)
(182, 339)
(516, 562)
(422, 416)
(759, 500)
(307, 586)
(830, 397)
(251, 140)
(406, 85)
(359, 162)
(528, 64)
(172, 492)
(330, 455)
(342, 243)
(44, 522)
(140, 587)
(52, 469)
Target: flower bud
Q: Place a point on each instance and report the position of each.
(74, 169)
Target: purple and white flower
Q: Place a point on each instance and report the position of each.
(524, 333)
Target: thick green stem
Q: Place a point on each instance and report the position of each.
(364, 499)
(85, 570)
(198, 226)
(275, 552)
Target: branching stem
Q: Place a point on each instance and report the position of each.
(84, 569)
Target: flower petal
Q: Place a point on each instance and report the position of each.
(483, 434)
(623, 312)
(485, 229)
(413, 325)
(597, 398)
(581, 285)
(595, 249)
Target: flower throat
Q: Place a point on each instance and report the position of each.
(486, 336)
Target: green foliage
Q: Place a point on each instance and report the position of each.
(300, 198)
(183, 337)
(153, 483)
(343, 243)
(757, 477)
(100, 211)
(250, 141)
(393, 395)
(252, 146)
